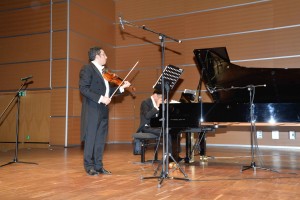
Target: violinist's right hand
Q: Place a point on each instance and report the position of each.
(105, 100)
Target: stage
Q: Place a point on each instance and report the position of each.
(59, 174)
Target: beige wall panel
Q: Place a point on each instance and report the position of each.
(266, 39)
(59, 73)
(250, 46)
(132, 42)
(237, 19)
(189, 79)
(11, 75)
(243, 138)
(74, 131)
(35, 117)
(59, 16)
(145, 79)
(25, 21)
(57, 131)
(111, 131)
(82, 19)
(282, 141)
(198, 24)
(59, 42)
(8, 120)
(156, 8)
(58, 102)
(24, 48)
(235, 138)
(286, 12)
(80, 45)
(74, 69)
(149, 56)
(265, 44)
(188, 26)
(58, 1)
(17, 4)
(105, 8)
(123, 106)
(74, 102)
(276, 63)
(124, 130)
(173, 27)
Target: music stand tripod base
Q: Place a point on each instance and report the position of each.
(16, 161)
(164, 175)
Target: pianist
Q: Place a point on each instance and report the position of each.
(150, 109)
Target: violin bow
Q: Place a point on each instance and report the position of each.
(124, 79)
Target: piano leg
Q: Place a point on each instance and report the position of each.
(175, 146)
(202, 146)
(188, 148)
(202, 143)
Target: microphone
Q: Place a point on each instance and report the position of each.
(26, 78)
(121, 22)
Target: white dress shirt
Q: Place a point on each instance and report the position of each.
(100, 68)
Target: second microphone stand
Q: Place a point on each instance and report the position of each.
(253, 136)
(17, 96)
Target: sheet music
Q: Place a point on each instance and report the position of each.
(171, 75)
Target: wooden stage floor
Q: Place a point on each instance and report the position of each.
(59, 174)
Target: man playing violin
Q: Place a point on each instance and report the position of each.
(96, 95)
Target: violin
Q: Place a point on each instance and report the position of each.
(113, 78)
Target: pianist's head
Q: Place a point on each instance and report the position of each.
(157, 96)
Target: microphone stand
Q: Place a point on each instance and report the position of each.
(253, 136)
(165, 128)
(17, 96)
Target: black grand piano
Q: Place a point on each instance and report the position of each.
(276, 95)
(273, 94)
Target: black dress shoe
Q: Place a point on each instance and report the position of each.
(103, 171)
(92, 172)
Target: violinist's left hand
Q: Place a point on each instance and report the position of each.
(126, 84)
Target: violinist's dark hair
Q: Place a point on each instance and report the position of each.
(93, 52)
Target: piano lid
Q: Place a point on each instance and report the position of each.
(230, 83)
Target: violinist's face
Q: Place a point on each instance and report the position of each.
(101, 58)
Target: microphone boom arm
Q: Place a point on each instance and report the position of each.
(124, 22)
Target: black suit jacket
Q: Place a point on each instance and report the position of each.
(92, 86)
(147, 111)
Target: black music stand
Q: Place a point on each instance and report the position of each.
(166, 82)
(17, 96)
(162, 38)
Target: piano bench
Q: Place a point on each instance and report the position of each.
(140, 143)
